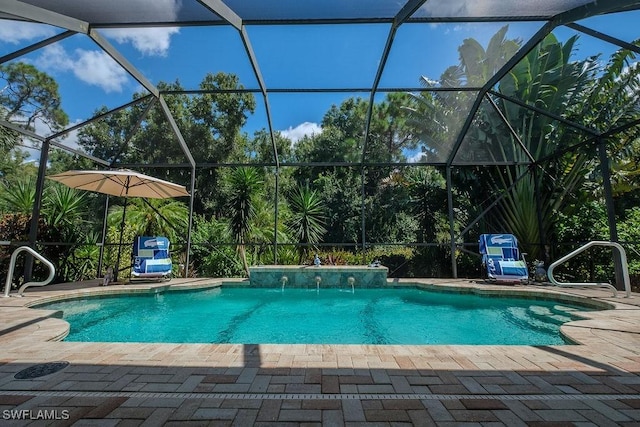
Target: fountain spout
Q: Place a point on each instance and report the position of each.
(318, 280)
(351, 280)
(284, 280)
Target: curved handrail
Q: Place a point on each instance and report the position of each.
(623, 260)
(12, 264)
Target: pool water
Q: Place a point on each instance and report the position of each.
(330, 316)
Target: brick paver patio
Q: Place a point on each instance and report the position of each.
(594, 383)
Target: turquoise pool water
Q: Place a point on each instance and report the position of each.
(330, 316)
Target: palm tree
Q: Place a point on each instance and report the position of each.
(261, 230)
(307, 218)
(243, 186)
(437, 117)
(153, 217)
(427, 189)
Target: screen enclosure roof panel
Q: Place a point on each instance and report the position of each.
(186, 12)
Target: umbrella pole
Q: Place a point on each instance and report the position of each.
(104, 236)
(116, 270)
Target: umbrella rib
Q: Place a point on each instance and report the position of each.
(151, 186)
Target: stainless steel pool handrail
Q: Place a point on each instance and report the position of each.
(623, 261)
(12, 264)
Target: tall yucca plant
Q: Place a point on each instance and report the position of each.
(243, 186)
(307, 218)
(19, 196)
(64, 206)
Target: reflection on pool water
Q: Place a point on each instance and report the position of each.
(330, 316)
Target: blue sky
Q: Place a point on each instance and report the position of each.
(289, 56)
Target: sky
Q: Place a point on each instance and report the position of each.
(290, 56)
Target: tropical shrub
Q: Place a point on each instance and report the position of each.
(209, 259)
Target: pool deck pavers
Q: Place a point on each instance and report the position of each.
(593, 383)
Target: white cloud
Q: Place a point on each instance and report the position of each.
(15, 31)
(99, 69)
(91, 66)
(300, 131)
(54, 57)
(149, 41)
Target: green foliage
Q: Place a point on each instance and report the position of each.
(614, 101)
(116, 234)
(307, 218)
(29, 95)
(427, 191)
(341, 194)
(629, 235)
(14, 227)
(588, 221)
(12, 160)
(210, 123)
(547, 78)
(388, 211)
(83, 262)
(62, 218)
(65, 207)
(243, 185)
(18, 196)
(389, 256)
(65, 211)
(153, 217)
(436, 118)
(261, 232)
(212, 260)
(400, 260)
(260, 148)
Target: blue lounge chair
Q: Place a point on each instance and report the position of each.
(151, 258)
(501, 259)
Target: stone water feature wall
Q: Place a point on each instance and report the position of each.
(331, 276)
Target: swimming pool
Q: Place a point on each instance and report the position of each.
(305, 316)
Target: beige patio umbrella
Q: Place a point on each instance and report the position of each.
(122, 183)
